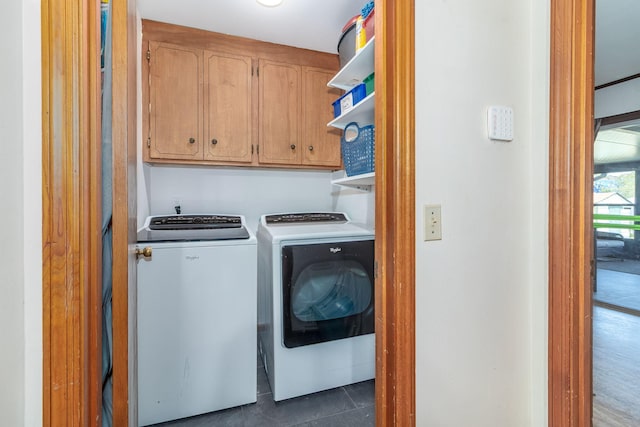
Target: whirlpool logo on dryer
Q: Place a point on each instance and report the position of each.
(192, 257)
(335, 250)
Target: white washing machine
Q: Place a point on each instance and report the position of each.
(196, 314)
(315, 302)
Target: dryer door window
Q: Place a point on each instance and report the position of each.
(331, 290)
(328, 292)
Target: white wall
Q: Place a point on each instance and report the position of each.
(142, 172)
(11, 232)
(358, 202)
(32, 211)
(246, 191)
(21, 233)
(481, 290)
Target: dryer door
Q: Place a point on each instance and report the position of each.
(328, 291)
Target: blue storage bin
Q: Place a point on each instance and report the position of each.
(347, 101)
(358, 149)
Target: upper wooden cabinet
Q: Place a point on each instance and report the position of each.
(318, 139)
(295, 106)
(228, 129)
(223, 100)
(280, 104)
(199, 104)
(175, 113)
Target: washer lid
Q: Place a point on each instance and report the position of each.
(194, 222)
(312, 225)
(186, 228)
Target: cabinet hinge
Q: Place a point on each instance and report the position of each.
(149, 142)
(257, 149)
(251, 71)
(258, 71)
(252, 149)
(148, 55)
(375, 269)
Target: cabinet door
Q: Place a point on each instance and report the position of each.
(227, 107)
(175, 113)
(280, 113)
(321, 143)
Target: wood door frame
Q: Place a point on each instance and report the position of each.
(570, 212)
(71, 205)
(71, 192)
(124, 220)
(71, 254)
(395, 213)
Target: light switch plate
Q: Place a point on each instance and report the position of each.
(500, 123)
(432, 222)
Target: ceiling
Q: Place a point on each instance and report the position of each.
(318, 26)
(618, 145)
(300, 23)
(617, 38)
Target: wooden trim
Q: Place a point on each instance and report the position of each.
(616, 167)
(615, 82)
(620, 118)
(124, 92)
(570, 210)
(224, 43)
(71, 213)
(616, 307)
(94, 165)
(395, 214)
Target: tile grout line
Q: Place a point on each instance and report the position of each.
(350, 398)
(310, 420)
(330, 416)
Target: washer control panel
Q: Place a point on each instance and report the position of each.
(190, 222)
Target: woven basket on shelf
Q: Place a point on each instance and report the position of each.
(358, 149)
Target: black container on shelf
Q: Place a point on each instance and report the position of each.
(347, 43)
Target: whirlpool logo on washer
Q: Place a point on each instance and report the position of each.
(192, 257)
(335, 250)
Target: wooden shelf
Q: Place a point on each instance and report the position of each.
(362, 113)
(355, 71)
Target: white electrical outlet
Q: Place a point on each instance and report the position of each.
(500, 123)
(432, 222)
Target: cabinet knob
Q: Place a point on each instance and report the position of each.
(192, 140)
(144, 252)
(214, 141)
(311, 148)
(293, 146)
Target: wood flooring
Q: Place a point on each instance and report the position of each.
(616, 368)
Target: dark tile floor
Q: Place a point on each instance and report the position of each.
(351, 405)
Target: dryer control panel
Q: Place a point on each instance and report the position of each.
(306, 218)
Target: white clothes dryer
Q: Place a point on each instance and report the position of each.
(315, 302)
